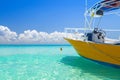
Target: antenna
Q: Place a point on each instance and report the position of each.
(85, 12)
(86, 5)
(85, 23)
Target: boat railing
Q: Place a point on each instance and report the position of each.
(78, 33)
(75, 33)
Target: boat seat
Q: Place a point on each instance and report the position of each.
(117, 43)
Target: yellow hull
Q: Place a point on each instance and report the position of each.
(99, 52)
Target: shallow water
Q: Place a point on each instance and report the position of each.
(47, 62)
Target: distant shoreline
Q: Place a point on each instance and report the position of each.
(35, 45)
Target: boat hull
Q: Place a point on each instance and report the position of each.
(105, 53)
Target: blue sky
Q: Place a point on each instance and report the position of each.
(42, 15)
(43, 21)
(46, 15)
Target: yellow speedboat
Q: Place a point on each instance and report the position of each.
(94, 46)
(106, 53)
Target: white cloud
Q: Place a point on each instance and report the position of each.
(31, 37)
(34, 37)
(6, 35)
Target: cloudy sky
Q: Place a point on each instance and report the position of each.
(31, 21)
(32, 37)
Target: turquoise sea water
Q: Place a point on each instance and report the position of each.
(47, 62)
